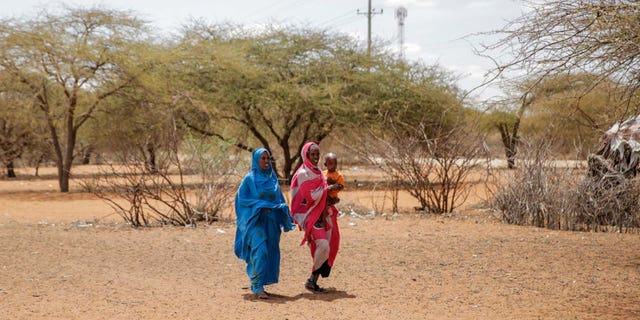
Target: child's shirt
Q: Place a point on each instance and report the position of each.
(337, 178)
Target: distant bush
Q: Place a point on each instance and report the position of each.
(541, 193)
(145, 196)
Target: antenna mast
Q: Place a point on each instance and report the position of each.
(401, 14)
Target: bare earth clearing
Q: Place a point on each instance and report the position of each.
(65, 256)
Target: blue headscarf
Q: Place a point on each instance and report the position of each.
(259, 190)
(265, 180)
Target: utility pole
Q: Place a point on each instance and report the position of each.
(370, 12)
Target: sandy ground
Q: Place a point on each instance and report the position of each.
(65, 256)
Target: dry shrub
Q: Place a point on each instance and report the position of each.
(434, 168)
(213, 162)
(536, 193)
(145, 196)
(607, 202)
(542, 193)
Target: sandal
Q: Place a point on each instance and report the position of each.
(314, 287)
(262, 295)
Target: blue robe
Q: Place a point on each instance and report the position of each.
(258, 229)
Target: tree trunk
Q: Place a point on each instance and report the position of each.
(510, 136)
(86, 156)
(509, 141)
(151, 160)
(67, 160)
(510, 153)
(60, 165)
(511, 159)
(65, 174)
(10, 172)
(40, 160)
(286, 166)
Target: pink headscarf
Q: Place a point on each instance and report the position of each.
(308, 192)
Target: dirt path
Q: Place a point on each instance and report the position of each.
(56, 262)
(407, 268)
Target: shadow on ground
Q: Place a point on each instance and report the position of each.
(331, 295)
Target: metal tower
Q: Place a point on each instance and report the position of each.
(401, 14)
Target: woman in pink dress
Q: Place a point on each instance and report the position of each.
(308, 204)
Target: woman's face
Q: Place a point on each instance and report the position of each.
(314, 156)
(264, 161)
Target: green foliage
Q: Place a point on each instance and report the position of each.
(281, 86)
(576, 109)
(410, 95)
(100, 81)
(496, 117)
(70, 61)
(17, 130)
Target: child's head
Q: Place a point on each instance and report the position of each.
(331, 161)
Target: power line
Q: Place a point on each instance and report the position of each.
(263, 8)
(294, 3)
(334, 19)
(282, 5)
(347, 22)
(343, 21)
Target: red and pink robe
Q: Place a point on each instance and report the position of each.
(308, 200)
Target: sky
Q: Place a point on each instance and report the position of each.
(435, 31)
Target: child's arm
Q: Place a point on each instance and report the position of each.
(340, 182)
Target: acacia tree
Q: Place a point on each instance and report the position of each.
(282, 87)
(16, 128)
(143, 116)
(573, 36)
(71, 60)
(574, 118)
(507, 121)
(568, 107)
(15, 134)
(411, 126)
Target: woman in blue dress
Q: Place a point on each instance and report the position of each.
(262, 213)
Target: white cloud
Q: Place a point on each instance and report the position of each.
(470, 71)
(412, 48)
(412, 51)
(482, 4)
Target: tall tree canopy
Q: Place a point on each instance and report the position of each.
(282, 87)
(70, 60)
(574, 111)
(17, 128)
(599, 37)
(546, 55)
